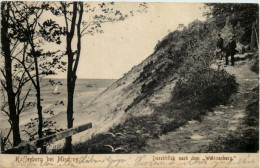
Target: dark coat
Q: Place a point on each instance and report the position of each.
(220, 42)
(231, 47)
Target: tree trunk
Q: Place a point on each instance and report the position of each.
(70, 87)
(71, 71)
(71, 79)
(71, 76)
(16, 130)
(5, 40)
(38, 96)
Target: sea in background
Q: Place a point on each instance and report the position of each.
(54, 100)
(82, 88)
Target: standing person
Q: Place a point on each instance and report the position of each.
(231, 50)
(219, 49)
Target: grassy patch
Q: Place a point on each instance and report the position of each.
(193, 97)
(130, 136)
(246, 140)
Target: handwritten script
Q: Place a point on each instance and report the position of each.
(140, 160)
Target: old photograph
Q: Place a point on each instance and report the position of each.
(129, 78)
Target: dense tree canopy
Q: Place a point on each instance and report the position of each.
(243, 16)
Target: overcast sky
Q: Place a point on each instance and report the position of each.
(125, 44)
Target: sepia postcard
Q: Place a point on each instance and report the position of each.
(129, 84)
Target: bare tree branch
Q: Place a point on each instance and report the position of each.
(2, 83)
(14, 47)
(18, 53)
(27, 71)
(65, 15)
(4, 104)
(2, 71)
(22, 81)
(90, 24)
(6, 138)
(23, 103)
(36, 19)
(14, 19)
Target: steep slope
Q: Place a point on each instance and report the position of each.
(137, 93)
(221, 128)
(149, 85)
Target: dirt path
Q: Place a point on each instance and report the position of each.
(197, 136)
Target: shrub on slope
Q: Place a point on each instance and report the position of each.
(193, 97)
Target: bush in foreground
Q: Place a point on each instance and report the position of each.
(193, 97)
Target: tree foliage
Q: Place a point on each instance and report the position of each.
(240, 15)
(28, 31)
(27, 61)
